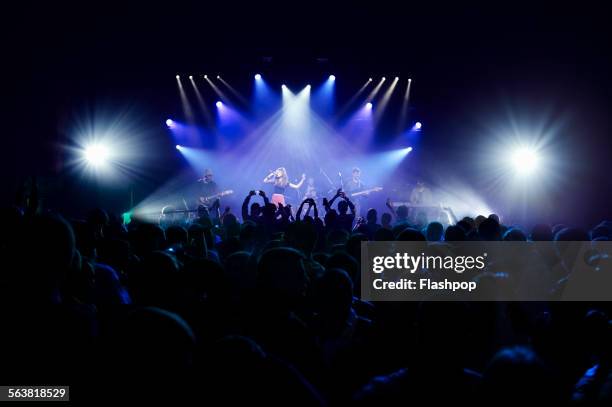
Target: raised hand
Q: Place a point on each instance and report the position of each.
(251, 193)
(262, 193)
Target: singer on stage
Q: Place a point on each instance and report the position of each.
(280, 180)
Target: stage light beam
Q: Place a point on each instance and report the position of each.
(218, 91)
(257, 77)
(375, 91)
(203, 108)
(401, 123)
(384, 101)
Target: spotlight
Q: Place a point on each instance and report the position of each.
(369, 105)
(218, 77)
(96, 154)
(332, 77)
(524, 160)
(418, 126)
(219, 104)
(284, 86)
(308, 86)
(190, 77)
(409, 80)
(257, 77)
(205, 76)
(409, 149)
(178, 146)
(384, 79)
(369, 79)
(178, 77)
(397, 78)
(169, 122)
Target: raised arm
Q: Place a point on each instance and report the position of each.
(350, 204)
(299, 184)
(452, 219)
(314, 206)
(329, 204)
(269, 178)
(390, 206)
(264, 197)
(298, 215)
(245, 205)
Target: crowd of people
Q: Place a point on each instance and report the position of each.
(264, 306)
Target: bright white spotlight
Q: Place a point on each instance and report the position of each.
(284, 86)
(332, 77)
(409, 149)
(307, 86)
(178, 77)
(397, 78)
(417, 126)
(218, 76)
(219, 103)
(524, 160)
(96, 154)
(178, 146)
(369, 105)
(205, 76)
(384, 79)
(369, 79)
(169, 122)
(257, 77)
(409, 80)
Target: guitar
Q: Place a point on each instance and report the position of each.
(207, 199)
(367, 191)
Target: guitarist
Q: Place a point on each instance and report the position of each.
(355, 185)
(207, 189)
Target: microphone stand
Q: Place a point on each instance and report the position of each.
(327, 177)
(331, 183)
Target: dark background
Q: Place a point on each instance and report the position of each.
(467, 64)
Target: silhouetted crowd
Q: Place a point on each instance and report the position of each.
(265, 308)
